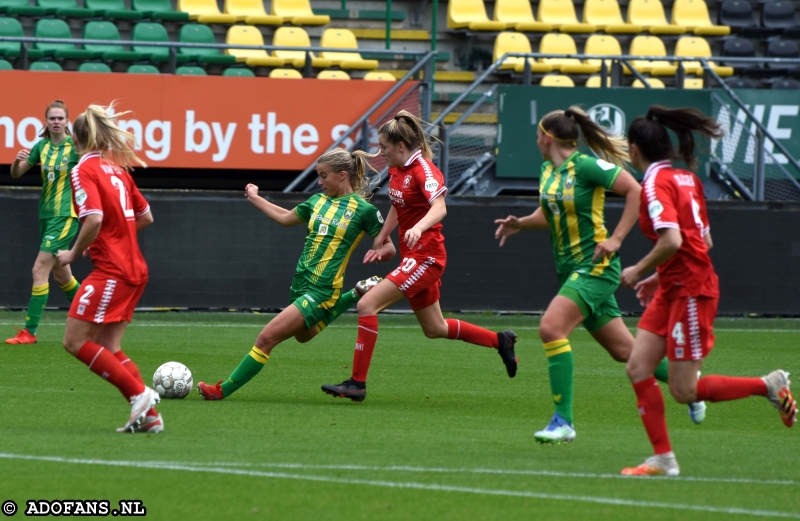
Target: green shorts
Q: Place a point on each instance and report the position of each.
(315, 304)
(57, 233)
(594, 296)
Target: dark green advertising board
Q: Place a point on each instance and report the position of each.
(521, 107)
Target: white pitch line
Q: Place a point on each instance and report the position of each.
(410, 485)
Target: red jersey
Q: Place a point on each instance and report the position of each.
(673, 198)
(412, 189)
(99, 187)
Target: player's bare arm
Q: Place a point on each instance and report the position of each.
(380, 252)
(513, 224)
(627, 187)
(89, 230)
(273, 211)
(20, 164)
(144, 220)
(707, 239)
(434, 216)
(669, 242)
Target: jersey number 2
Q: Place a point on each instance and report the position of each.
(124, 200)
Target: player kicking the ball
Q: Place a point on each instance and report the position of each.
(681, 297)
(112, 211)
(336, 220)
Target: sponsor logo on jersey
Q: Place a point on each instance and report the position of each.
(309, 297)
(678, 352)
(396, 196)
(406, 181)
(380, 217)
(654, 209)
(51, 175)
(80, 196)
(81, 309)
(605, 165)
(328, 221)
(323, 229)
(431, 185)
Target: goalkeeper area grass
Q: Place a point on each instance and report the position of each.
(443, 434)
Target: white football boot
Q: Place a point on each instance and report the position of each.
(780, 395)
(140, 404)
(658, 465)
(557, 431)
(365, 285)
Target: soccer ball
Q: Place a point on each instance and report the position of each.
(173, 380)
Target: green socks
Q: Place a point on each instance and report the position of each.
(245, 371)
(344, 303)
(661, 373)
(36, 307)
(70, 288)
(560, 366)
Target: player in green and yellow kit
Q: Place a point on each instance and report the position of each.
(58, 222)
(572, 189)
(336, 220)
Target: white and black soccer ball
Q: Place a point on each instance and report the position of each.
(173, 380)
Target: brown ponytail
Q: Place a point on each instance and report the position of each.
(406, 128)
(568, 126)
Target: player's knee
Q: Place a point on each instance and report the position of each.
(366, 308)
(635, 371)
(683, 393)
(620, 353)
(435, 332)
(550, 330)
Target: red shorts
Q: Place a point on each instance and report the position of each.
(419, 278)
(104, 300)
(686, 322)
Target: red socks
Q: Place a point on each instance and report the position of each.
(714, 388)
(101, 362)
(365, 345)
(650, 402)
(128, 364)
(460, 330)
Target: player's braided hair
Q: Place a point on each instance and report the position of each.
(355, 165)
(649, 133)
(97, 131)
(57, 104)
(568, 126)
(407, 128)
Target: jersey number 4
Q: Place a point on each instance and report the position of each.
(124, 200)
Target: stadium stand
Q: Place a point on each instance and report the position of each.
(285, 73)
(12, 27)
(737, 14)
(650, 46)
(199, 33)
(5, 65)
(607, 16)
(596, 82)
(45, 66)
(159, 10)
(601, 44)
(735, 47)
(696, 46)
(151, 32)
(655, 83)
(515, 42)
(470, 14)
(143, 69)
(298, 12)
(239, 71)
(103, 30)
(66, 9)
(251, 12)
(205, 12)
(344, 39)
(693, 14)
(250, 35)
(57, 28)
(553, 43)
(740, 83)
(296, 37)
(693, 83)
(379, 76)
(333, 75)
(517, 14)
(650, 15)
(779, 15)
(556, 80)
(113, 10)
(786, 83)
(93, 67)
(190, 70)
(21, 8)
(561, 14)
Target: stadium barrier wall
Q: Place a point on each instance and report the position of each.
(215, 250)
(199, 121)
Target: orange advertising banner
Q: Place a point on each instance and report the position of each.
(199, 121)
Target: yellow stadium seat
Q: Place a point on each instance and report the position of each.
(650, 15)
(517, 14)
(655, 83)
(249, 35)
(693, 83)
(296, 37)
(561, 13)
(298, 12)
(333, 75)
(693, 14)
(470, 14)
(597, 81)
(285, 73)
(251, 12)
(696, 46)
(606, 15)
(554, 43)
(344, 39)
(379, 76)
(601, 44)
(650, 46)
(556, 80)
(516, 42)
(205, 12)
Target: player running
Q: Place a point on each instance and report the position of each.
(572, 205)
(112, 211)
(681, 298)
(58, 223)
(416, 189)
(336, 220)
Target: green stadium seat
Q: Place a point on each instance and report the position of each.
(200, 33)
(58, 28)
(10, 27)
(143, 69)
(45, 66)
(151, 32)
(159, 10)
(239, 71)
(96, 30)
(190, 70)
(66, 8)
(21, 8)
(114, 9)
(93, 67)
(5, 66)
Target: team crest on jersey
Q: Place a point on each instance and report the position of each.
(431, 185)
(65, 160)
(80, 196)
(570, 182)
(380, 217)
(348, 214)
(407, 181)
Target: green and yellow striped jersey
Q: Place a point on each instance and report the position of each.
(573, 198)
(335, 227)
(57, 162)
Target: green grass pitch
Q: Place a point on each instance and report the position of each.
(443, 434)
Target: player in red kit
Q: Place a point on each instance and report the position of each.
(417, 190)
(112, 211)
(681, 298)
